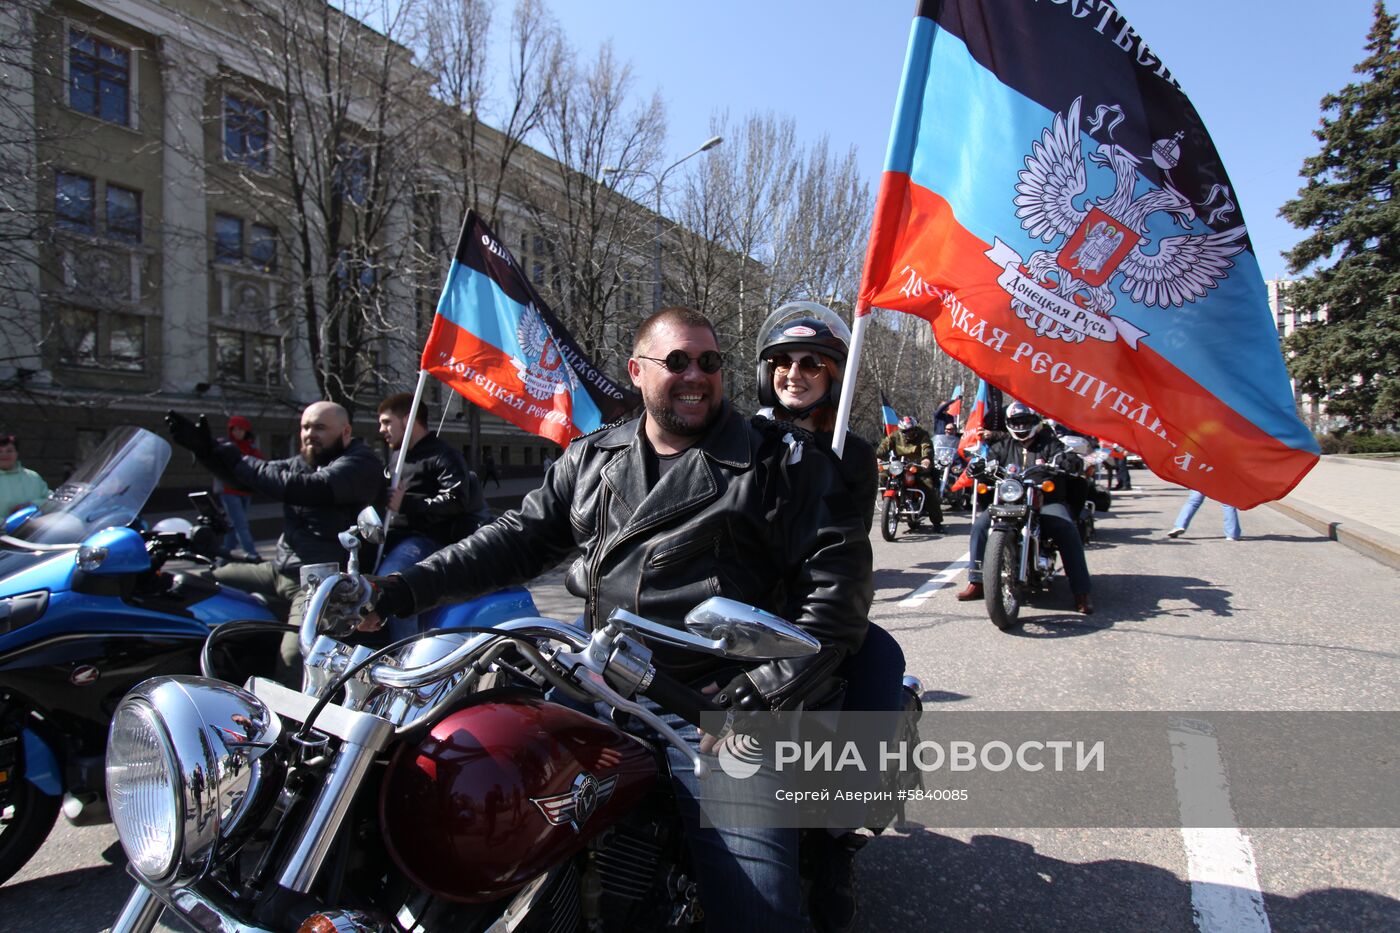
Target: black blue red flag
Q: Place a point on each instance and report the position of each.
(887, 415)
(496, 343)
(1053, 205)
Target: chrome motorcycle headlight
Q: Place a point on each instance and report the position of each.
(1010, 490)
(187, 768)
(896, 469)
(141, 790)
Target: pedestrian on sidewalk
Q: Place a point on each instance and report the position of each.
(1188, 512)
(19, 487)
(488, 469)
(235, 500)
(1120, 468)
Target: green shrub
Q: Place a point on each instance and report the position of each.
(1359, 443)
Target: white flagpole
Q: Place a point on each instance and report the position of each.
(848, 380)
(403, 454)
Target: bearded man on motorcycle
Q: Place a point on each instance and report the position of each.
(688, 501)
(1032, 441)
(913, 443)
(321, 489)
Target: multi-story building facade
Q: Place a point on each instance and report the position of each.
(1287, 318)
(163, 264)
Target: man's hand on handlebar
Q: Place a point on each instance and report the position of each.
(389, 596)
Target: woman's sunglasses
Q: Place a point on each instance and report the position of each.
(807, 365)
(677, 361)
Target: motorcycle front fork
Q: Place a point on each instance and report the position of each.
(140, 913)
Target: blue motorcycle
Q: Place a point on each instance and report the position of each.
(89, 608)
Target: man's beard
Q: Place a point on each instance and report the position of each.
(660, 412)
(320, 457)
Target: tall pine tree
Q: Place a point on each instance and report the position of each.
(1350, 203)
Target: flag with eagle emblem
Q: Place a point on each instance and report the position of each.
(1053, 205)
(497, 344)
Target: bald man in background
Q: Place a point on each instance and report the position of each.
(322, 490)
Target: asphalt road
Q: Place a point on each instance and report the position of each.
(1283, 620)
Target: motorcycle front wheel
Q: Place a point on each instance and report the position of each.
(24, 825)
(889, 524)
(1003, 591)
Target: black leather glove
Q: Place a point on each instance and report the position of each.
(389, 596)
(193, 436)
(741, 694)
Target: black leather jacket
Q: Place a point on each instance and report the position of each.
(1044, 446)
(732, 517)
(317, 503)
(442, 498)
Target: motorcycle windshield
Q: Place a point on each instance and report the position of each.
(106, 490)
(945, 449)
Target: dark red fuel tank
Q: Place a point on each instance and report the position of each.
(502, 790)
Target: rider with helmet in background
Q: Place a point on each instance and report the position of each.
(802, 350)
(1032, 441)
(914, 444)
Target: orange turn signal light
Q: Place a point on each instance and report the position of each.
(981, 488)
(1048, 485)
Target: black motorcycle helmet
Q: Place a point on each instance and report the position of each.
(802, 325)
(1022, 420)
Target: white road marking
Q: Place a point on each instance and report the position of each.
(1225, 895)
(938, 581)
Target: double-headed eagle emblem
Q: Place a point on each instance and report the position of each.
(1103, 245)
(542, 368)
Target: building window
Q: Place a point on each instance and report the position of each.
(123, 214)
(246, 357)
(126, 342)
(228, 238)
(537, 273)
(262, 247)
(352, 173)
(245, 132)
(99, 78)
(75, 202)
(109, 341)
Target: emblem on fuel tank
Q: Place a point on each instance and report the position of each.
(84, 675)
(577, 804)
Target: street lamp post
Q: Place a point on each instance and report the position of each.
(657, 182)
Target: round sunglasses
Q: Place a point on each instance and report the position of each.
(677, 361)
(807, 365)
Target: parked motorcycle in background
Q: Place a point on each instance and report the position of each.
(902, 495)
(89, 607)
(428, 786)
(1017, 561)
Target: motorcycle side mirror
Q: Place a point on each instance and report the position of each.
(749, 632)
(114, 551)
(369, 525)
(1075, 444)
(19, 517)
(727, 628)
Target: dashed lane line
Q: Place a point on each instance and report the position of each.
(1225, 894)
(938, 581)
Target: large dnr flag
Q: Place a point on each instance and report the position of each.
(495, 342)
(1053, 205)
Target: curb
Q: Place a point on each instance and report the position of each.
(1378, 545)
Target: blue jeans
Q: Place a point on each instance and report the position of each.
(1062, 532)
(1193, 502)
(239, 533)
(404, 552)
